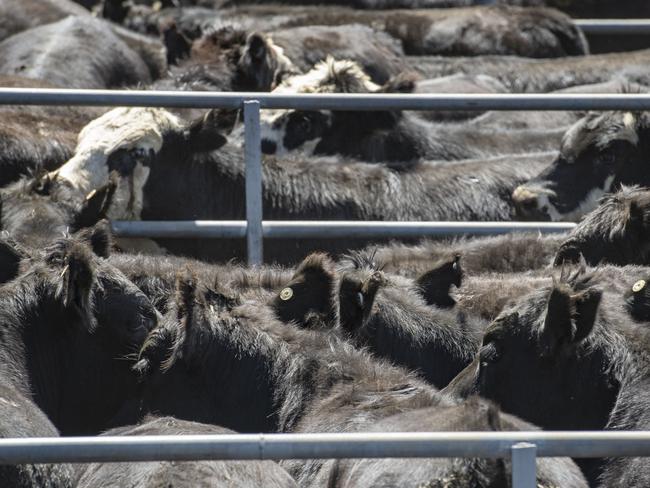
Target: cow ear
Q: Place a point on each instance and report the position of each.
(76, 282)
(434, 285)
(356, 299)
(11, 254)
(570, 317)
(568, 253)
(309, 297)
(96, 204)
(43, 183)
(178, 46)
(204, 134)
(99, 238)
(257, 46)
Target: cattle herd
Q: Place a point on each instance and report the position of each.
(104, 335)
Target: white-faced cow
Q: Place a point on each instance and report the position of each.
(598, 153)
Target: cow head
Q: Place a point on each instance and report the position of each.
(309, 299)
(597, 154)
(36, 210)
(319, 131)
(547, 357)
(616, 232)
(252, 60)
(436, 283)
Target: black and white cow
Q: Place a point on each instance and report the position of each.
(382, 135)
(598, 153)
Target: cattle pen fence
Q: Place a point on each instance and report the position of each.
(521, 447)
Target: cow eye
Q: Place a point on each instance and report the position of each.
(304, 124)
(489, 354)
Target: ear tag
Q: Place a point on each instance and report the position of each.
(360, 299)
(90, 195)
(286, 294)
(638, 286)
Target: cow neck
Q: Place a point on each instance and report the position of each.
(34, 342)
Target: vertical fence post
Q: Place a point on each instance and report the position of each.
(253, 160)
(523, 465)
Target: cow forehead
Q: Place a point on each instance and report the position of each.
(599, 131)
(127, 127)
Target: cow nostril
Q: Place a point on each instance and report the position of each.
(269, 147)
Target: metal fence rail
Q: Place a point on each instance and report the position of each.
(306, 229)
(614, 26)
(521, 447)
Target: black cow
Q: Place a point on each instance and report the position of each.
(565, 346)
(509, 253)
(17, 16)
(70, 320)
(295, 187)
(390, 4)
(379, 54)
(383, 135)
(190, 474)
(33, 138)
(475, 415)
(287, 380)
(79, 52)
(227, 59)
(615, 232)
(531, 32)
(598, 154)
(541, 75)
(20, 418)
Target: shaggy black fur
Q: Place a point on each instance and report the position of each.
(191, 474)
(565, 346)
(69, 321)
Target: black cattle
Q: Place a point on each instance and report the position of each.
(287, 380)
(401, 319)
(615, 232)
(228, 59)
(390, 4)
(598, 154)
(541, 75)
(567, 345)
(70, 320)
(532, 32)
(475, 415)
(509, 253)
(38, 210)
(395, 318)
(34, 138)
(20, 418)
(190, 474)
(295, 187)
(18, 15)
(385, 135)
(379, 55)
(76, 52)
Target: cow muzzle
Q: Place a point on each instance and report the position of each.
(529, 205)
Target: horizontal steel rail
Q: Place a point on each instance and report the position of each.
(321, 446)
(614, 26)
(328, 101)
(304, 229)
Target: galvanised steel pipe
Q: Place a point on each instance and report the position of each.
(614, 26)
(327, 101)
(324, 446)
(321, 229)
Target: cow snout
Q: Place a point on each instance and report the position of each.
(269, 147)
(527, 204)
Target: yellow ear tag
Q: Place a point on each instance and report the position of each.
(286, 294)
(638, 286)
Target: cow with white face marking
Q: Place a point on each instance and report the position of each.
(598, 154)
(382, 136)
